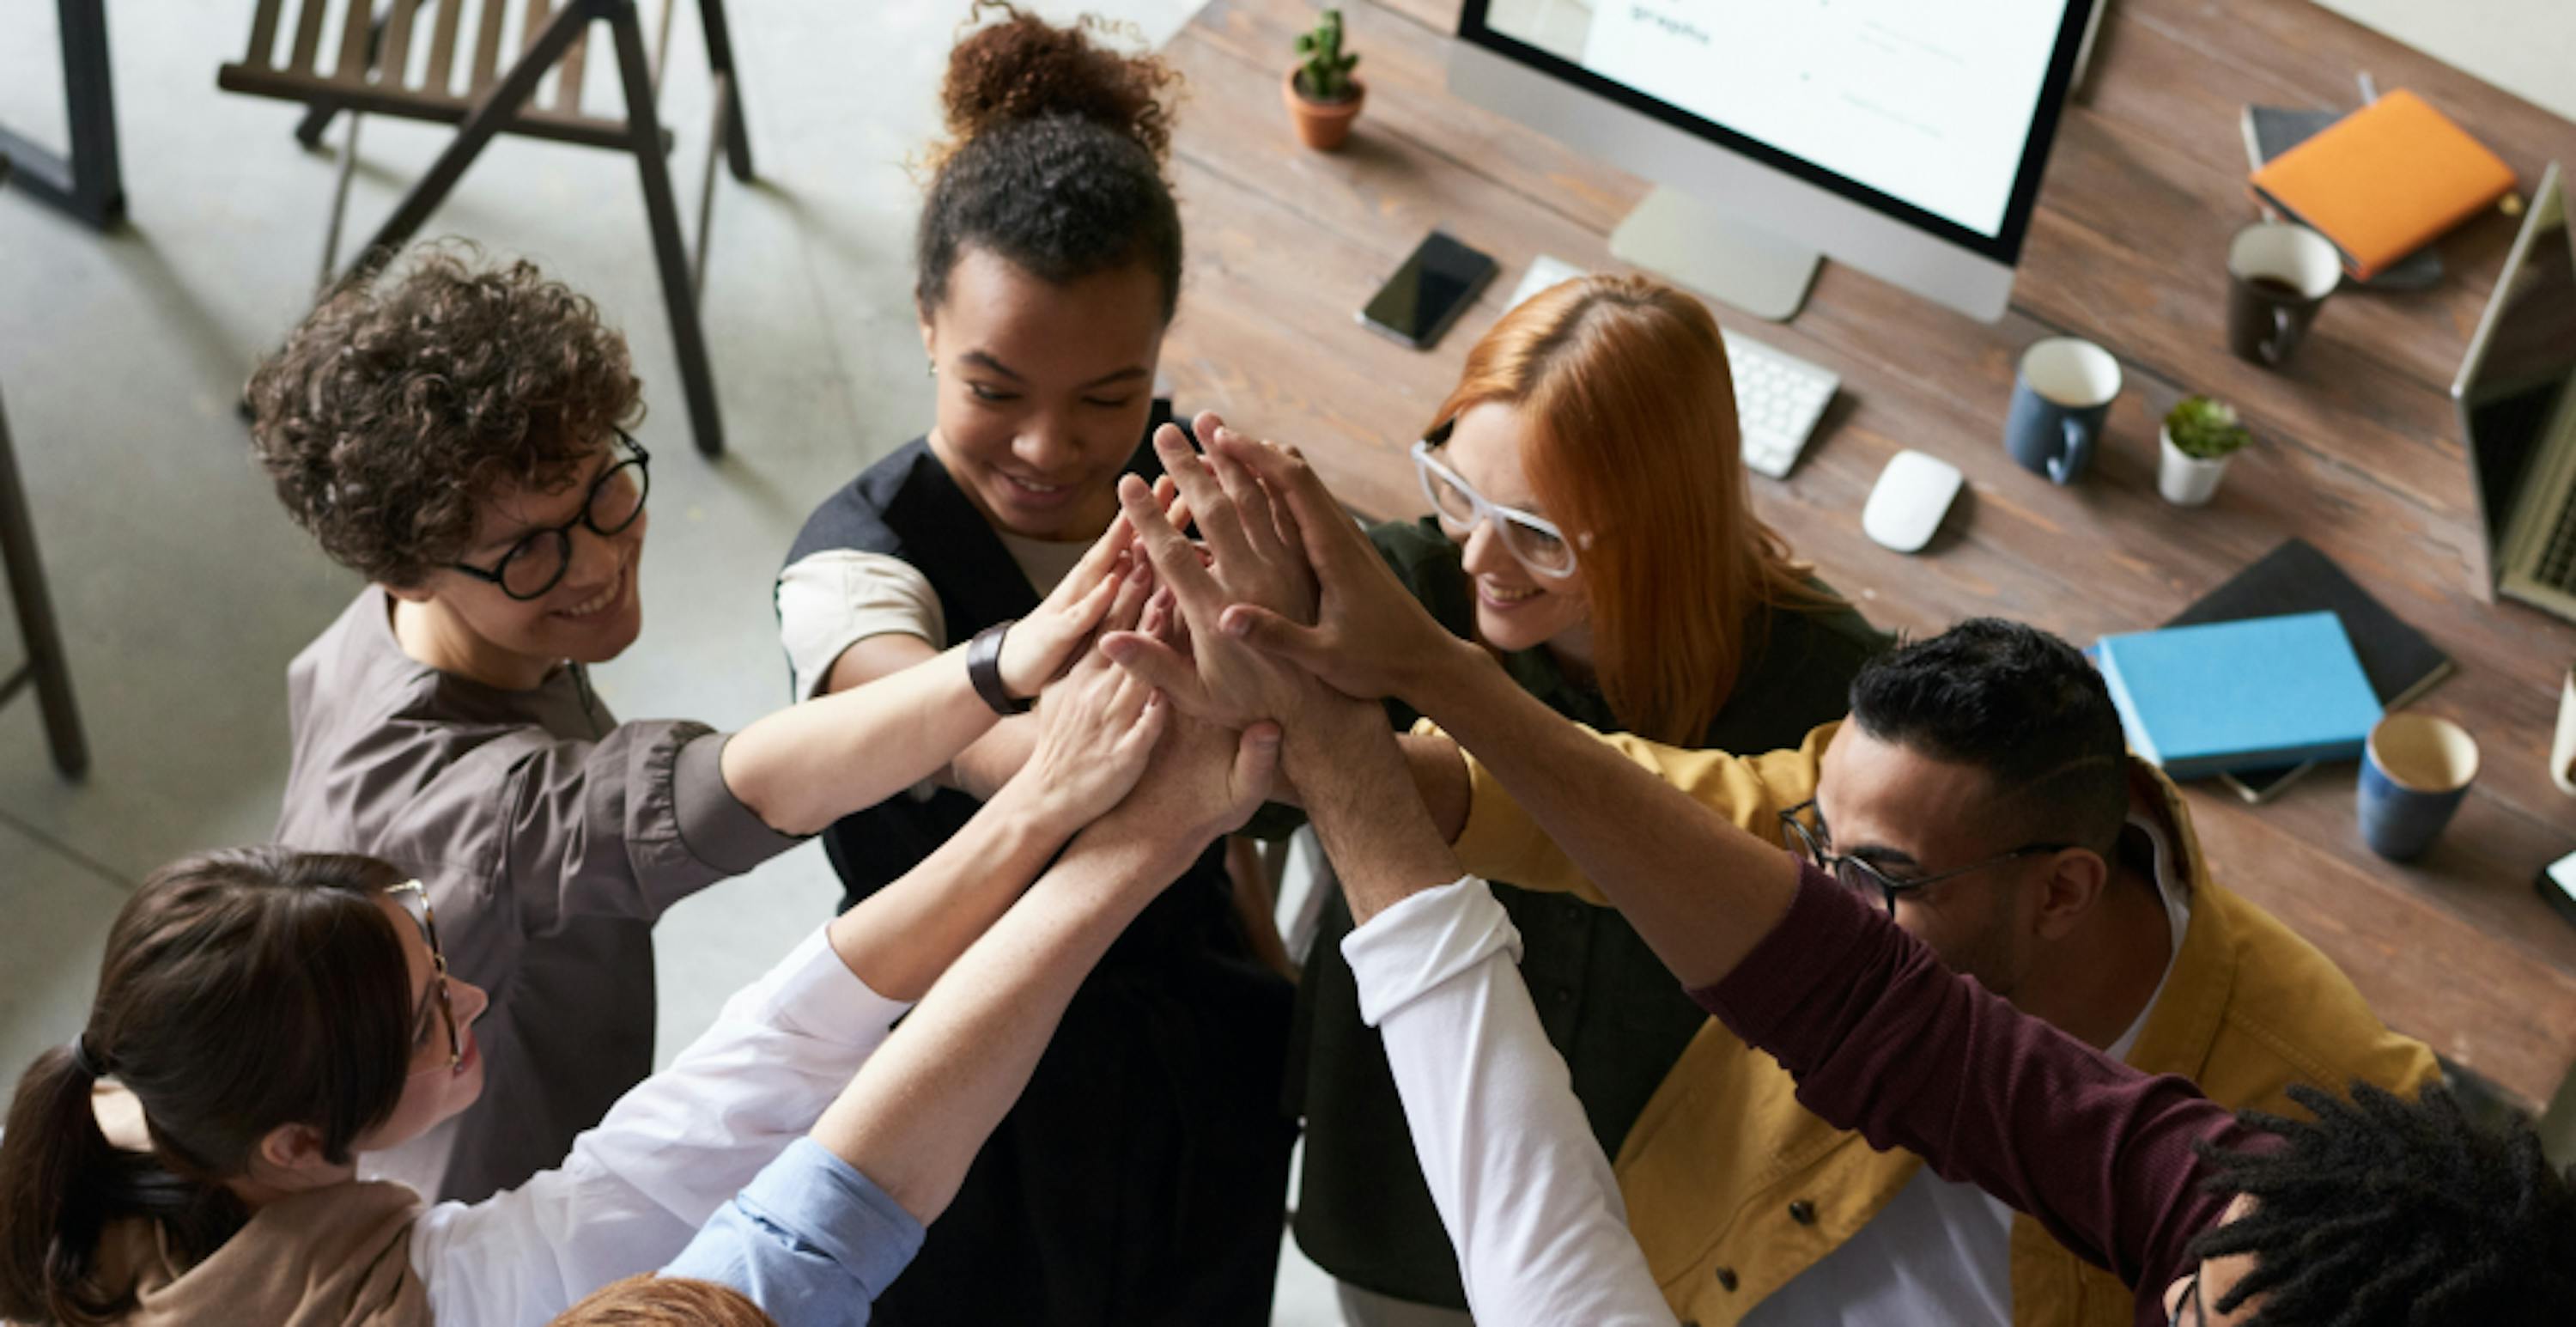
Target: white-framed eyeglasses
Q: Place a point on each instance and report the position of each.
(1534, 540)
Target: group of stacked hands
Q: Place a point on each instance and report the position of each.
(1038, 1025)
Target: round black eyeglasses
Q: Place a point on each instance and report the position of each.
(537, 563)
(1857, 874)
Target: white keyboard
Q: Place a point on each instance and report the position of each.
(1778, 400)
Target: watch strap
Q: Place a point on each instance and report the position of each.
(984, 670)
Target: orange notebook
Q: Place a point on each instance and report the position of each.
(2384, 181)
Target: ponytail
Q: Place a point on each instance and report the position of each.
(241, 991)
(62, 1184)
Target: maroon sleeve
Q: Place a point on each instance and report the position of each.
(1885, 1040)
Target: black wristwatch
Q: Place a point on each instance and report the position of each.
(984, 669)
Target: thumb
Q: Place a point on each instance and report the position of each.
(1256, 760)
(1152, 660)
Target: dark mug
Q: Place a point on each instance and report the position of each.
(2060, 399)
(2278, 276)
(2415, 769)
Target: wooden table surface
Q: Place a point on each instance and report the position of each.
(2357, 449)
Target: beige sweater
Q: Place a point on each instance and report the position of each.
(336, 1257)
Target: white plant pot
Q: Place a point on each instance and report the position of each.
(2186, 480)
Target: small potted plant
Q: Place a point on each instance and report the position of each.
(2199, 435)
(1322, 96)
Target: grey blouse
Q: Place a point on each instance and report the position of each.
(550, 837)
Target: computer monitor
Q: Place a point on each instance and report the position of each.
(1903, 137)
(2516, 397)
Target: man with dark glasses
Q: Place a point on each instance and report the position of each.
(1981, 795)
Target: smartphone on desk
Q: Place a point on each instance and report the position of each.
(1436, 284)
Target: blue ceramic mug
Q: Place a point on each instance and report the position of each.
(2060, 400)
(2415, 770)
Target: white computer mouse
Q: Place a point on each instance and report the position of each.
(1912, 495)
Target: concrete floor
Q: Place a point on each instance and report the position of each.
(184, 590)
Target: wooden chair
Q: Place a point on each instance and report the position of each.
(45, 667)
(420, 60)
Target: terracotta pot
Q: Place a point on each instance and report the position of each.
(1321, 125)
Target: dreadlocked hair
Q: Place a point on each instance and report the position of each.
(2383, 1211)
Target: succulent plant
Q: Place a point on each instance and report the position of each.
(2205, 429)
(1325, 72)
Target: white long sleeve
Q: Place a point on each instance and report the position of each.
(1527, 1197)
(669, 1153)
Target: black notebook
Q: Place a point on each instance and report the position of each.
(2295, 578)
(2273, 130)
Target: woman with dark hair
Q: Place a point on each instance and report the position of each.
(458, 433)
(1142, 1177)
(264, 1017)
(1592, 530)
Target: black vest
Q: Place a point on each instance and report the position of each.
(907, 506)
(1141, 1177)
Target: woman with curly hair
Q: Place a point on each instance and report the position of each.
(1142, 1178)
(457, 433)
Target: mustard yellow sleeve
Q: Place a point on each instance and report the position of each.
(1501, 842)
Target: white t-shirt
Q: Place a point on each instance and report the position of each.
(832, 600)
(1941, 1251)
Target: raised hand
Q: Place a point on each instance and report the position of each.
(1039, 647)
(1099, 723)
(1252, 556)
(1204, 781)
(1369, 637)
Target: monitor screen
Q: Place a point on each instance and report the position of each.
(1936, 107)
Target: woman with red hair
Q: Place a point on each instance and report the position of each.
(1594, 528)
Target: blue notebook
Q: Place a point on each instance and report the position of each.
(2224, 696)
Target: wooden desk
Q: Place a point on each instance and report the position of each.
(2357, 452)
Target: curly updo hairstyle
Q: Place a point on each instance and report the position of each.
(1054, 158)
(414, 390)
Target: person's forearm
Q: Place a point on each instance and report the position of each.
(1440, 776)
(808, 765)
(1530, 1202)
(923, 1105)
(1700, 890)
(1362, 802)
(901, 938)
(990, 761)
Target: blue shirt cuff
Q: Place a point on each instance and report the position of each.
(810, 1240)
